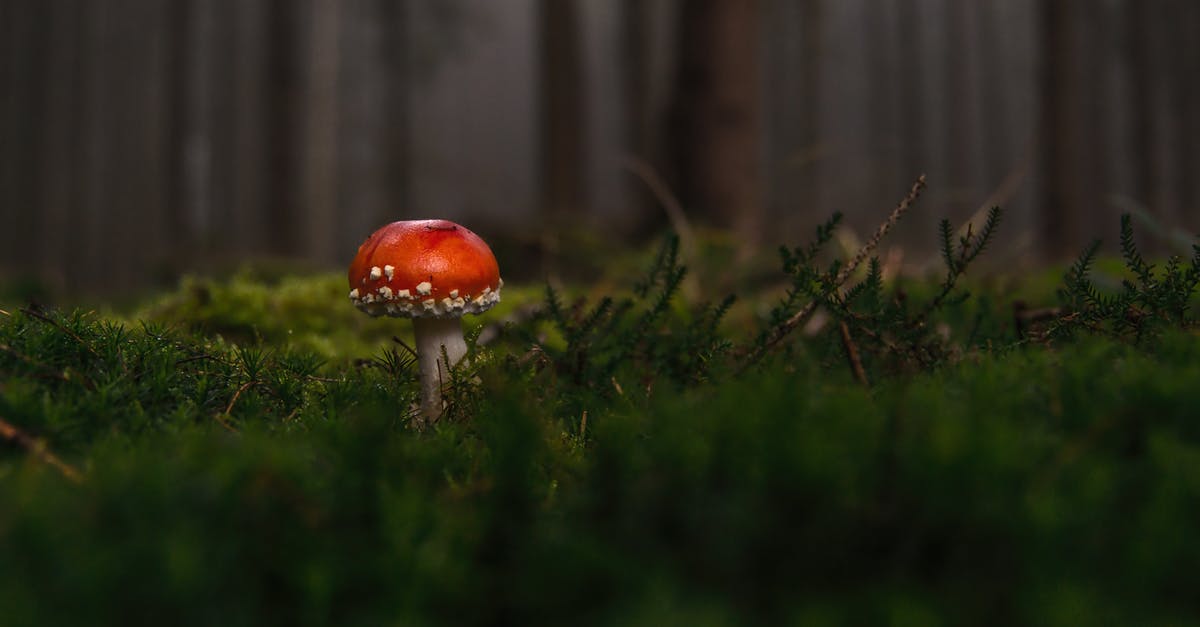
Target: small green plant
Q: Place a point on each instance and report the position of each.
(873, 330)
(890, 331)
(1150, 301)
(637, 339)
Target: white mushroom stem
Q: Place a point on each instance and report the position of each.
(432, 336)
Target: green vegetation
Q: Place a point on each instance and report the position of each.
(237, 452)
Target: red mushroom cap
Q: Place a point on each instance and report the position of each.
(424, 268)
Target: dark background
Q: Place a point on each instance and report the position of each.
(140, 139)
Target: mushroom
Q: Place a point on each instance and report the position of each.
(433, 271)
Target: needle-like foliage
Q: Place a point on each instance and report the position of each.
(1150, 301)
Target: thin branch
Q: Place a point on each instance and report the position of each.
(675, 213)
(860, 374)
(1007, 188)
(873, 243)
(665, 197)
(790, 324)
(39, 450)
(30, 362)
(30, 312)
(495, 329)
(185, 360)
(411, 351)
(50, 372)
(236, 395)
(223, 417)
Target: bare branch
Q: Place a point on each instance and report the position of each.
(790, 324)
(39, 450)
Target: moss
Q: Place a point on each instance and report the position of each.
(245, 459)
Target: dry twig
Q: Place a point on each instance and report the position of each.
(860, 374)
(39, 450)
(790, 324)
(75, 336)
(223, 417)
(675, 213)
(520, 315)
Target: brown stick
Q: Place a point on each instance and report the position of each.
(223, 416)
(856, 366)
(39, 450)
(791, 323)
(675, 214)
(1024, 316)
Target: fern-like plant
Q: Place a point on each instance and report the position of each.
(639, 338)
(1150, 299)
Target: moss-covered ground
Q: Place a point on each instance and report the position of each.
(238, 452)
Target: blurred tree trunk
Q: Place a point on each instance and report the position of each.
(640, 144)
(998, 160)
(1189, 108)
(635, 48)
(960, 144)
(194, 24)
(717, 115)
(394, 157)
(97, 176)
(249, 83)
(60, 155)
(278, 118)
(1139, 71)
(1177, 35)
(372, 167)
(913, 78)
(884, 101)
(320, 131)
(812, 16)
(1060, 103)
(23, 26)
(562, 117)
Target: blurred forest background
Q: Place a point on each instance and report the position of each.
(144, 138)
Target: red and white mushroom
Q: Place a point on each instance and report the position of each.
(433, 271)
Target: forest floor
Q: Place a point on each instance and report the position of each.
(838, 446)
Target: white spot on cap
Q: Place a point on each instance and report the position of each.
(385, 301)
(453, 293)
(389, 271)
(424, 288)
(376, 272)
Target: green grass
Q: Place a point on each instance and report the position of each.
(243, 457)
